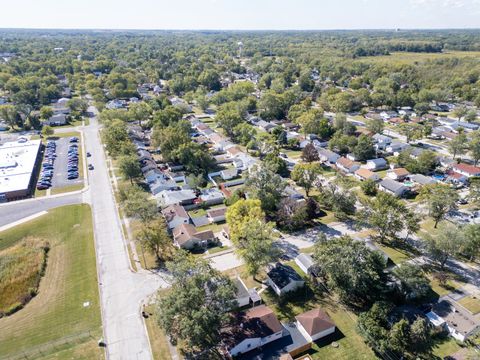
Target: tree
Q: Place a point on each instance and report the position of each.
(420, 339)
(386, 214)
(136, 203)
(252, 237)
(447, 242)
(10, 114)
(414, 285)
(341, 202)
(460, 111)
(310, 153)
(369, 187)
(292, 215)
(47, 130)
(210, 79)
(364, 149)
(458, 145)
(115, 136)
(153, 235)
(471, 245)
(410, 130)
(351, 269)
(129, 167)
(265, 185)
(474, 193)
(474, 146)
(195, 309)
(170, 115)
(229, 117)
(306, 175)
(78, 105)
(375, 126)
(440, 199)
(46, 112)
(399, 336)
(273, 162)
(471, 116)
(139, 111)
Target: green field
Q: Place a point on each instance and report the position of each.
(56, 324)
(411, 57)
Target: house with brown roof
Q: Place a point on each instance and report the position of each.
(315, 324)
(365, 174)
(233, 151)
(175, 215)
(217, 215)
(398, 174)
(186, 236)
(347, 166)
(252, 329)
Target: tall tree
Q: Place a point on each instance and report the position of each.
(310, 153)
(265, 185)
(195, 309)
(414, 285)
(474, 146)
(446, 243)
(458, 145)
(129, 167)
(153, 235)
(440, 199)
(306, 175)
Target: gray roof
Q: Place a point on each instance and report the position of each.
(306, 260)
(282, 275)
(378, 161)
(422, 179)
(391, 185)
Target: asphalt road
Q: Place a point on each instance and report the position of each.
(121, 290)
(14, 211)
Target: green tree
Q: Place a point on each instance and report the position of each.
(139, 111)
(129, 167)
(399, 337)
(411, 131)
(364, 149)
(46, 112)
(47, 130)
(351, 269)
(440, 199)
(195, 309)
(265, 185)
(170, 115)
(414, 285)
(376, 126)
(310, 153)
(458, 145)
(306, 175)
(471, 245)
(369, 187)
(474, 146)
(446, 243)
(154, 237)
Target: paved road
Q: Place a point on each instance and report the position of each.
(121, 290)
(15, 211)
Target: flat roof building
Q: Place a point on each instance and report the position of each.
(17, 164)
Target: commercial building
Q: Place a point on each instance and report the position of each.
(18, 160)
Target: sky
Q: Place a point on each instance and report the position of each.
(240, 14)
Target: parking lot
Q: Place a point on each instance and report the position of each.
(60, 168)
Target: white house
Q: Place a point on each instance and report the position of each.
(466, 170)
(212, 196)
(376, 164)
(162, 183)
(315, 324)
(346, 165)
(242, 294)
(328, 156)
(398, 174)
(216, 215)
(305, 263)
(365, 174)
(459, 323)
(228, 174)
(283, 279)
(175, 215)
(396, 147)
(392, 187)
(56, 120)
(170, 197)
(254, 328)
(381, 141)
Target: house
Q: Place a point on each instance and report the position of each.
(186, 236)
(177, 176)
(466, 169)
(398, 174)
(245, 296)
(233, 151)
(381, 141)
(212, 196)
(56, 120)
(328, 156)
(376, 164)
(459, 323)
(421, 180)
(216, 215)
(251, 329)
(393, 187)
(284, 279)
(228, 174)
(267, 126)
(396, 147)
(365, 174)
(175, 215)
(305, 263)
(456, 178)
(170, 197)
(162, 183)
(346, 165)
(315, 324)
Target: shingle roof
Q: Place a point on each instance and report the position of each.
(315, 321)
(282, 275)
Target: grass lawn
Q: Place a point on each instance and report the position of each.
(471, 303)
(451, 284)
(350, 343)
(40, 193)
(446, 347)
(396, 255)
(217, 249)
(66, 189)
(328, 218)
(214, 227)
(65, 134)
(197, 212)
(55, 324)
(158, 340)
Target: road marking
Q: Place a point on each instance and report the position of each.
(25, 219)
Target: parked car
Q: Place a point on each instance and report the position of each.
(90, 167)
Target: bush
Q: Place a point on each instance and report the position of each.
(369, 187)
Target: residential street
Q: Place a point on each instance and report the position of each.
(121, 290)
